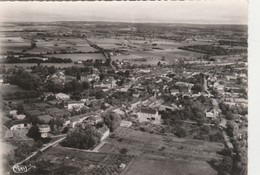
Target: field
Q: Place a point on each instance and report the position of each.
(59, 159)
(28, 65)
(166, 147)
(172, 167)
(10, 88)
(18, 44)
(79, 56)
(15, 44)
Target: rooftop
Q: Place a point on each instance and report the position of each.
(148, 111)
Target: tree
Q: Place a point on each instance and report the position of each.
(78, 76)
(101, 76)
(127, 73)
(123, 150)
(230, 128)
(197, 88)
(56, 124)
(225, 165)
(180, 132)
(51, 70)
(85, 85)
(229, 115)
(101, 94)
(34, 133)
(111, 120)
(20, 109)
(83, 136)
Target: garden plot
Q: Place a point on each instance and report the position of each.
(83, 162)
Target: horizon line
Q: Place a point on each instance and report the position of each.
(128, 22)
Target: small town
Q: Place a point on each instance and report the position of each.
(108, 98)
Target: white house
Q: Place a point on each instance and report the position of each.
(125, 123)
(20, 117)
(13, 112)
(75, 104)
(62, 97)
(19, 124)
(149, 115)
(77, 119)
(44, 129)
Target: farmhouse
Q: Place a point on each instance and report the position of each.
(89, 77)
(62, 97)
(93, 120)
(20, 117)
(19, 124)
(168, 107)
(125, 123)
(212, 114)
(75, 104)
(149, 115)
(174, 91)
(77, 119)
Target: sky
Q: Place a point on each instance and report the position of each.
(203, 11)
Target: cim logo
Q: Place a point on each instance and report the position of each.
(18, 168)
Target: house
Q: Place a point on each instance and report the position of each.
(104, 131)
(125, 123)
(168, 107)
(212, 114)
(108, 82)
(231, 78)
(62, 97)
(89, 77)
(144, 71)
(13, 112)
(19, 124)
(149, 115)
(220, 88)
(174, 91)
(58, 78)
(119, 111)
(93, 120)
(59, 75)
(77, 119)
(75, 104)
(44, 129)
(20, 117)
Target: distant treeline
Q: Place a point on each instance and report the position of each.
(213, 50)
(233, 43)
(12, 59)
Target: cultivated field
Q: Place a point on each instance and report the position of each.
(15, 44)
(28, 65)
(78, 56)
(62, 160)
(173, 167)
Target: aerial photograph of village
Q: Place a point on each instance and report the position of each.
(117, 97)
